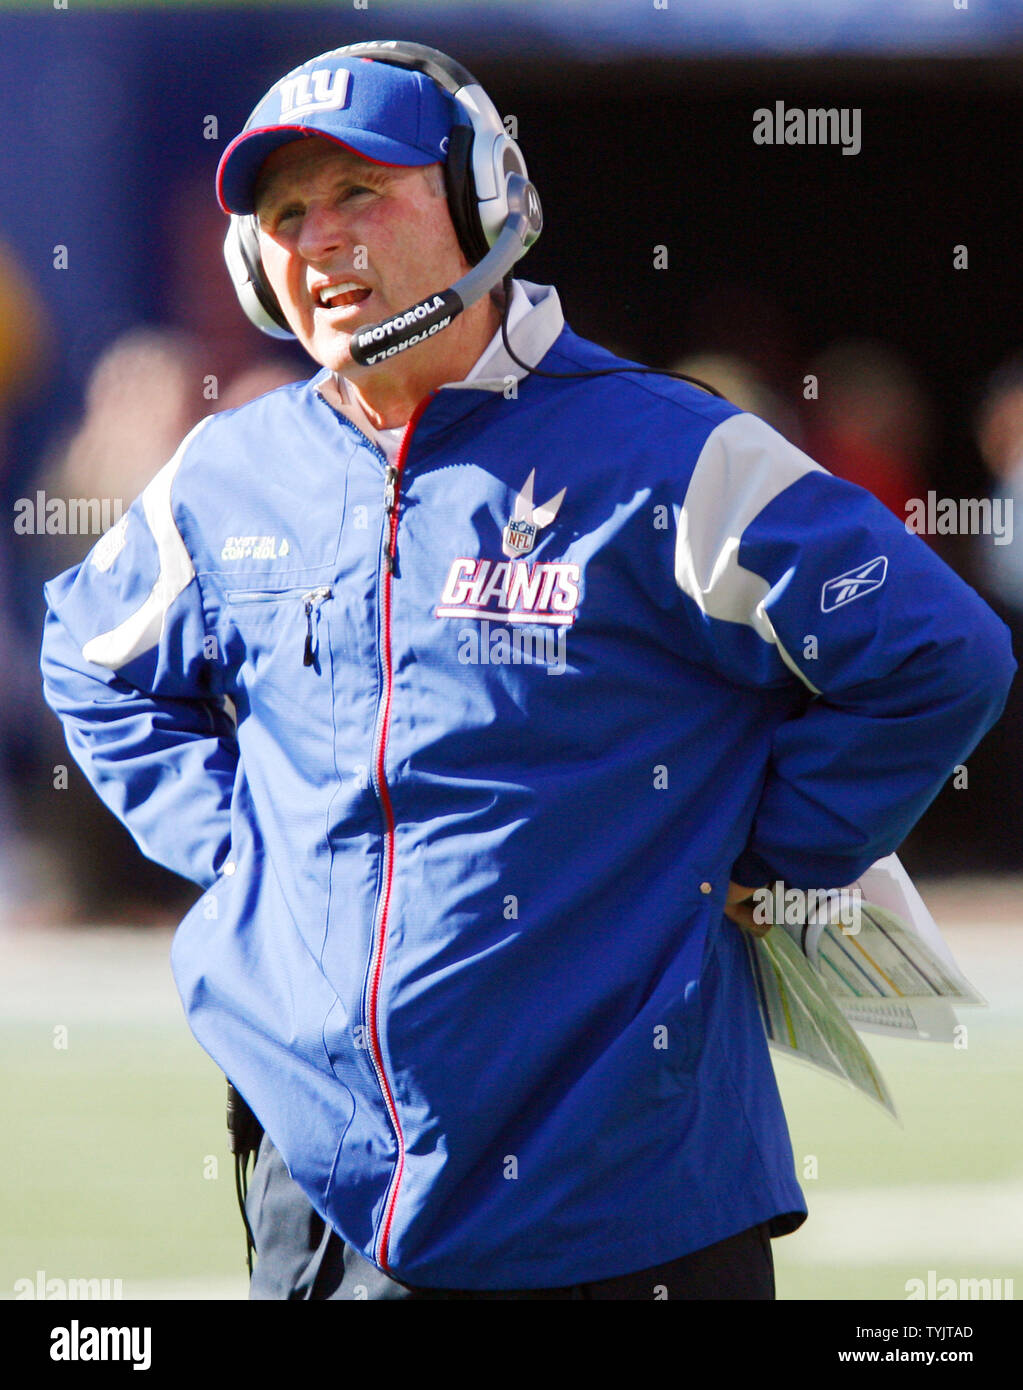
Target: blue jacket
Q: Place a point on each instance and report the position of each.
(464, 753)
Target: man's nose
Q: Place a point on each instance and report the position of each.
(323, 232)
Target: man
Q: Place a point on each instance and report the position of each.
(474, 696)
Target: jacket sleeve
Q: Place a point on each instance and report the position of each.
(802, 577)
(131, 671)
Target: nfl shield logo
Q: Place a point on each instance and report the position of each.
(519, 537)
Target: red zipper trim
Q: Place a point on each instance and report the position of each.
(377, 963)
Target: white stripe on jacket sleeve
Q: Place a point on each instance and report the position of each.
(142, 629)
(743, 465)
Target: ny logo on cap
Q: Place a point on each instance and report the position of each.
(329, 90)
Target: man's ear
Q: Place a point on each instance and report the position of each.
(245, 266)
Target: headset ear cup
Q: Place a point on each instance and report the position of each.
(241, 252)
(461, 190)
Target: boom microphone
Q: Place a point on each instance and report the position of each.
(434, 313)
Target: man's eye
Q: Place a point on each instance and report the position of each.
(272, 220)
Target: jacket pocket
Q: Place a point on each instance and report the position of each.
(678, 1041)
(295, 609)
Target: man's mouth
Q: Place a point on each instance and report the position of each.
(340, 296)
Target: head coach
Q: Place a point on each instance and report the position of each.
(478, 680)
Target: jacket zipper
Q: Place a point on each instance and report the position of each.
(392, 478)
(392, 491)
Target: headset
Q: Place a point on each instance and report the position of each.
(494, 208)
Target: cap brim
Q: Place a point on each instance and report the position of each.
(243, 158)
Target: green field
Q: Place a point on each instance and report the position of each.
(116, 1163)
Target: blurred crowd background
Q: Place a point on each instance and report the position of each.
(867, 306)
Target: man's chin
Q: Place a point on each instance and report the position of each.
(333, 351)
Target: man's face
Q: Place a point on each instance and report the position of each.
(346, 242)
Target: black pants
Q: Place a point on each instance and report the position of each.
(299, 1257)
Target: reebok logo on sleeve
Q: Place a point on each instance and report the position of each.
(854, 584)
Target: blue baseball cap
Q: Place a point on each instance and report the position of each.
(387, 114)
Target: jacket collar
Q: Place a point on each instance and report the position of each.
(536, 323)
(531, 336)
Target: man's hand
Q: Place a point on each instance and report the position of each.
(739, 907)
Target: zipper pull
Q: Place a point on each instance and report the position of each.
(312, 600)
(307, 657)
(390, 488)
